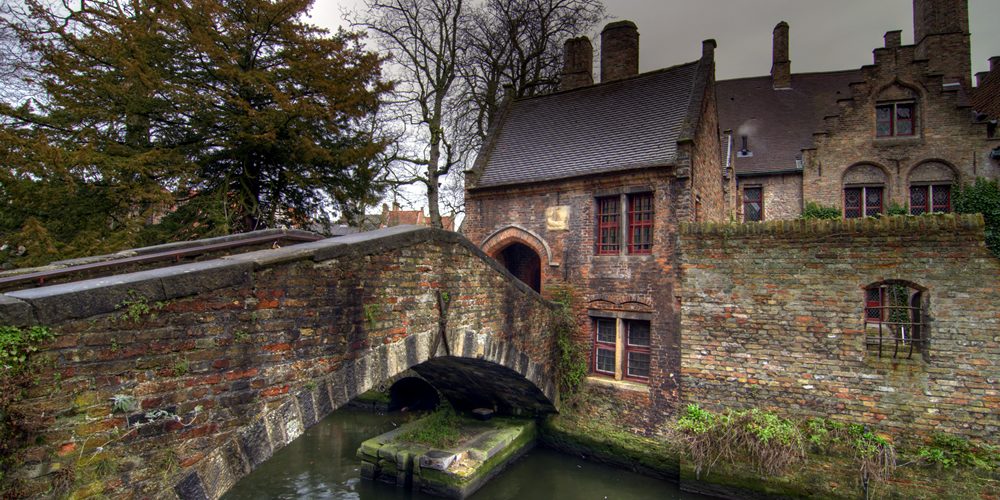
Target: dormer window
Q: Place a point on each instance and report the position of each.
(895, 119)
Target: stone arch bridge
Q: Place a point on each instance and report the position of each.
(178, 381)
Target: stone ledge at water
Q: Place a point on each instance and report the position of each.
(484, 449)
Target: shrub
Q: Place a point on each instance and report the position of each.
(814, 210)
(982, 197)
(946, 451)
(771, 444)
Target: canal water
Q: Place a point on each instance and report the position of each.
(322, 464)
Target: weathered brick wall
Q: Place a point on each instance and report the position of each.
(638, 283)
(247, 351)
(772, 316)
(782, 195)
(706, 168)
(945, 133)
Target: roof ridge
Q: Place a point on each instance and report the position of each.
(810, 73)
(612, 82)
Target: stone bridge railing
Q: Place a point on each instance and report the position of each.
(179, 381)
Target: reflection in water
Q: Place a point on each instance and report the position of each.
(322, 463)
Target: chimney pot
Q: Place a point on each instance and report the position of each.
(781, 65)
(708, 48)
(578, 61)
(893, 39)
(619, 51)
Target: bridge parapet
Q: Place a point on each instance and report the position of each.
(183, 379)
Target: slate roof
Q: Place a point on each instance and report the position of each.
(619, 125)
(986, 97)
(778, 123)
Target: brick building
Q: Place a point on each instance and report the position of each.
(903, 131)
(583, 190)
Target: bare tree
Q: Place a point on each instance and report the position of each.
(422, 39)
(517, 45)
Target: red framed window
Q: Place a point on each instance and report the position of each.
(863, 202)
(874, 304)
(608, 225)
(753, 204)
(895, 119)
(931, 198)
(637, 354)
(605, 333)
(640, 223)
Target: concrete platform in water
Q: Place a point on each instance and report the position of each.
(481, 451)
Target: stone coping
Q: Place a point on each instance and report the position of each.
(166, 247)
(56, 303)
(904, 225)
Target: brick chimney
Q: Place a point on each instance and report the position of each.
(941, 34)
(619, 51)
(893, 39)
(578, 61)
(781, 66)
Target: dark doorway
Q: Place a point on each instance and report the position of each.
(524, 264)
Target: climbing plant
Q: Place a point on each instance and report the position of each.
(982, 197)
(16, 347)
(571, 360)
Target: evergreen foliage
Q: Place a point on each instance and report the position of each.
(983, 197)
(167, 120)
(814, 210)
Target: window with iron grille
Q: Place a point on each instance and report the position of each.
(605, 341)
(753, 204)
(930, 198)
(863, 202)
(640, 223)
(608, 225)
(895, 119)
(894, 319)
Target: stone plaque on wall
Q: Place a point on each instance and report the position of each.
(557, 218)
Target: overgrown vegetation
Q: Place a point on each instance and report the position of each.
(770, 443)
(16, 348)
(897, 209)
(982, 197)
(571, 363)
(946, 451)
(439, 429)
(136, 307)
(814, 210)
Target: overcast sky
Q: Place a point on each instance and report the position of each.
(825, 35)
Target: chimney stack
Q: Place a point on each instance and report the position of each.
(781, 66)
(941, 35)
(994, 63)
(708, 48)
(578, 61)
(893, 39)
(619, 51)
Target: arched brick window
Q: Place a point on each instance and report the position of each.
(895, 319)
(864, 191)
(930, 188)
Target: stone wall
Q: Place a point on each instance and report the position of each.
(773, 314)
(226, 361)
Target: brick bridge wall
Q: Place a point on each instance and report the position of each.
(248, 350)
(772, 317)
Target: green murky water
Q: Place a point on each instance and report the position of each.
(322, 464)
